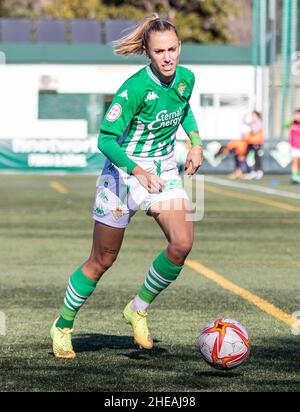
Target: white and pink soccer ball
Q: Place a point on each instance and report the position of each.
(224, 343)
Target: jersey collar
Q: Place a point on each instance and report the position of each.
(158, 81)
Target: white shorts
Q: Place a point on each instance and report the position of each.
(295, 153)
(119, 195)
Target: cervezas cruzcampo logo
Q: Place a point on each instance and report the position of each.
(181, 89)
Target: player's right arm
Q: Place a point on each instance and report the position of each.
(126, 104)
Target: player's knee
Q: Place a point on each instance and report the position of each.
(181, 248)
(106, 261)
(101, 263)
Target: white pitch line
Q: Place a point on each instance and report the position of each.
(256, 188)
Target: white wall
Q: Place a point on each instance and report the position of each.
(19, 89)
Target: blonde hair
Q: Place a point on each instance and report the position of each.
(137, 41)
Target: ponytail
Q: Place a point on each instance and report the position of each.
(136, 41)
(258, 114)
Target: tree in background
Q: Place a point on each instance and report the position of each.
(201, 21)
(20, 8)
(91, 9)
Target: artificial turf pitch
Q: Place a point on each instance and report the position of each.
(45, 235)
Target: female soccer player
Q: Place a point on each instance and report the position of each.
(137, 137)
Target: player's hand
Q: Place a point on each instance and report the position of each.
(194, 160)
(150, 181)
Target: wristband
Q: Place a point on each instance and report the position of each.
(195, 139)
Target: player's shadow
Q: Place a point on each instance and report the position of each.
(94, 342)
(145, 354)
(218, 374)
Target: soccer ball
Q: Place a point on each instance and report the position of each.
(224, 343)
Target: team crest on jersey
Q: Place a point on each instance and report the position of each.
(181, 89)
(124, 94)
(117, 213)
(114, 113)
(151, 96)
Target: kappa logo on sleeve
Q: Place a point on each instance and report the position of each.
(124, 94)
(114, 113)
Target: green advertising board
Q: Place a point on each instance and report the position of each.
(50, 155)
(83, 156)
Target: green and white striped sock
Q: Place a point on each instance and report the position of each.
(78, 290)
(161, 274)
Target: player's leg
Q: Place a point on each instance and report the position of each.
(179, 232)
(244, 165)
(258, 153)
(296, 170)
(107, 242)
(237, 167)
(171, 215)
(251, 172)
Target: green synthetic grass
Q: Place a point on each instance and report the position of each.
(45, 235)
(281, 182)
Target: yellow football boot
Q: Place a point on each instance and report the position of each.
(62, 342)
(138, 321)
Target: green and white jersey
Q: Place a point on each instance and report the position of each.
(146, 113)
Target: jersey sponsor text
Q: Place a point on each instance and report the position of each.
(165, 119)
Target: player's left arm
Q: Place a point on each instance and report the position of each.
(194, 157)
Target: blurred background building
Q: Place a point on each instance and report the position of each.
(58, 72)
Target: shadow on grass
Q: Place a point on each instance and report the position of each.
(93, 342)
(110, 363)
(218, 374)
(145, 354)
